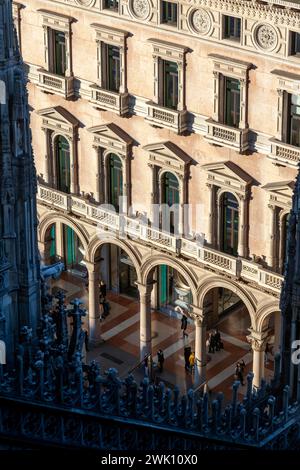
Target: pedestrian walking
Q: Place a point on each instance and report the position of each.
(187, 353)
(211, 342)
(192, 362)
(86, 340)
(102, 289)
(184, 323)
(101, 311)
(160, 360)
(218, 342)
(239, 372)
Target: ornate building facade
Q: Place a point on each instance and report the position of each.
(19, 258)
(165, 102)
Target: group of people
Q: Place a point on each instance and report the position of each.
(214, 341)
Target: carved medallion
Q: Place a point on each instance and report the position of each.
(141, 8)
(266, 37)
(85, 3)
(201, 21)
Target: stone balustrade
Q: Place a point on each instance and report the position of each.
(135, 229)
(109, 100)
(284, 154)
(167, 118)
(227, 136)
(55, 84)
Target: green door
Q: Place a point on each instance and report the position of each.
(59, 53)
(70, 246)
(52, 241)
(163, 285)
(63, 164)
(230, 224)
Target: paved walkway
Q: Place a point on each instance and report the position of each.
(120, 348)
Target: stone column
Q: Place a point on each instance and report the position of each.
(99, 175)
(93, 309)
(216, 96)
(258, 342)
(242, 245)
(145, 319)
(280, 94)
(272, 237)
(154, 215)
(200, 345)
(181, 207)
(243, 103)
(59, 240)
(47, 172)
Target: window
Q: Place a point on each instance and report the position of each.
(62, 154)
(232, 28)
(170, 88)
(295, 43)
(169, 13)
(170, 197)
(111, 5)
(115, 181)
(232, 102)
(57, 62)
(293, 133)
(230, 224)
(283, 242)
(112, 71)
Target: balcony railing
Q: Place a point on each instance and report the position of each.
(52, 83)
(167, 118)
(284, 153)
(131, 228)
(109, 100)
(227, 136)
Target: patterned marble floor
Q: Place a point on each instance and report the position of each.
(120, 348)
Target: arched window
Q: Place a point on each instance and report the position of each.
(115, 181)
(170, 196)
(63, 169)
(229, 224)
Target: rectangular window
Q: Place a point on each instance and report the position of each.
(232, 28)
(294, 120)
(295, 43)
(232, 102)
(170, 91)
(59, 56)
(113, 69)
(169, 13)
(111, 5)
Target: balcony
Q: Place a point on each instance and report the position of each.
(160, 116)
(284, 154)
(133, 229)
(227, 136)
(109, 100)
(55, 84)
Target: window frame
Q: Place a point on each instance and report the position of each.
(161, 16)
(236, 39)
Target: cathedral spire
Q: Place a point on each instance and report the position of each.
(19, 259)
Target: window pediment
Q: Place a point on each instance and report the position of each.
(110, 35)
(168, 155)
(228, 175)
(168, 50)
(59, 119)
(287, 81)
(110, 136)
(280, 193)
(56, 20)
(230, 67)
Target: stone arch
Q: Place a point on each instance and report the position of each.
(216, 281)
(48, 220)
(264, 312)
(157, 260)
(98, 242)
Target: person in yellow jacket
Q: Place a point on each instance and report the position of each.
(192, 361)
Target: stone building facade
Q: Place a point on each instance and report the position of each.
(188, 103)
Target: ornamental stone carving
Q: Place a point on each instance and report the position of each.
(85, 3)
(140, 8)
(266, 37)
(200, 21)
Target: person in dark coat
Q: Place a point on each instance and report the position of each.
(184, 323)
(218, 341)
(102, 288)
(187, 353)
(160, 360)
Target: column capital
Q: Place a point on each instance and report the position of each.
(145, 289)
(197, 314)
(92, 267)
(258, 339)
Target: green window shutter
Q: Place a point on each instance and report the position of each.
(63, 164)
